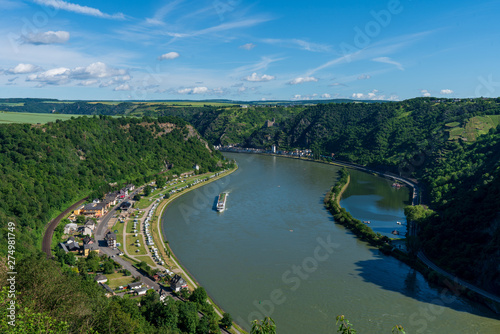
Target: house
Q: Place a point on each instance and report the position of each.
(94, 209)
(90, 224)
(134, 286)
(125, 206)
(163, 295)
(87, 248)
(141, 291)
(101, 279)
(111, 239)
(84, 230)
(63, 246)
(88, 240)
(111, 198)
(73, 246)
(108, 291)
(178, 283)
(70, 228)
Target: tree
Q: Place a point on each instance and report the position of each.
(147, 190)
(161, 182)
(188, 316)
(266, 327)
(137, 197)
(226, 321)
(108, 267)
(199, 296)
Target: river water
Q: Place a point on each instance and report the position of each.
(276, 252)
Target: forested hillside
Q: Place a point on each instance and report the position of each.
(44, 168)
(388, 134)
(232, 125)
(464, 235)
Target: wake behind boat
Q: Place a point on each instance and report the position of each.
(221, 202)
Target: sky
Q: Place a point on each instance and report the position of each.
(249, 50)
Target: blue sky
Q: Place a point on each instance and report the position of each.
(247, 50)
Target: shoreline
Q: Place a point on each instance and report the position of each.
(158, 234)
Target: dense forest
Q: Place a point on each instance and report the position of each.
(51, 299)
(44, 168)
(464, 182)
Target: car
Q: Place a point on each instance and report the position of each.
(112, 256)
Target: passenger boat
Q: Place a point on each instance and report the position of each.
(221, 202)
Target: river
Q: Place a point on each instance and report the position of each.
(276, 252)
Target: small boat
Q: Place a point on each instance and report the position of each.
(397, 185)
(366, 222)
(395, 232)
(399, 223)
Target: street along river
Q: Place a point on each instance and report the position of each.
(275, 251)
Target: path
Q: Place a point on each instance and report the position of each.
(455, 279)
(49, 232)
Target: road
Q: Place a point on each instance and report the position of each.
(49, 232)
(455, 279)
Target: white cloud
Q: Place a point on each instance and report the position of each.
(194, 90)
(337, 84)
(71, 7)
(24, 69)
(446, 91)
(364, 77)
(170, 55)
(123, 87)
(256, 78)
(326, 96)
(305, 97)
(87, 75)
(388, 60)
(248, 46)
(425, 93)
(96, 70)
(373, 95)
(89, 82)
(301, 80)
(200, 90)
(55, 76)
(48, 37)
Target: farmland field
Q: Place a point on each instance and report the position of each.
(474, 127)
(32, 118)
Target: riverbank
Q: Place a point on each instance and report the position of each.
(169, 256)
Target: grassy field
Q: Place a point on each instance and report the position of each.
(131, 247)
(119, 235)
(474, 127)
(118, 279)
(130, 226)
(32, 118)
(10, 104)
(146, 259)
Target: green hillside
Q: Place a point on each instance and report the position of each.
(44, 168)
